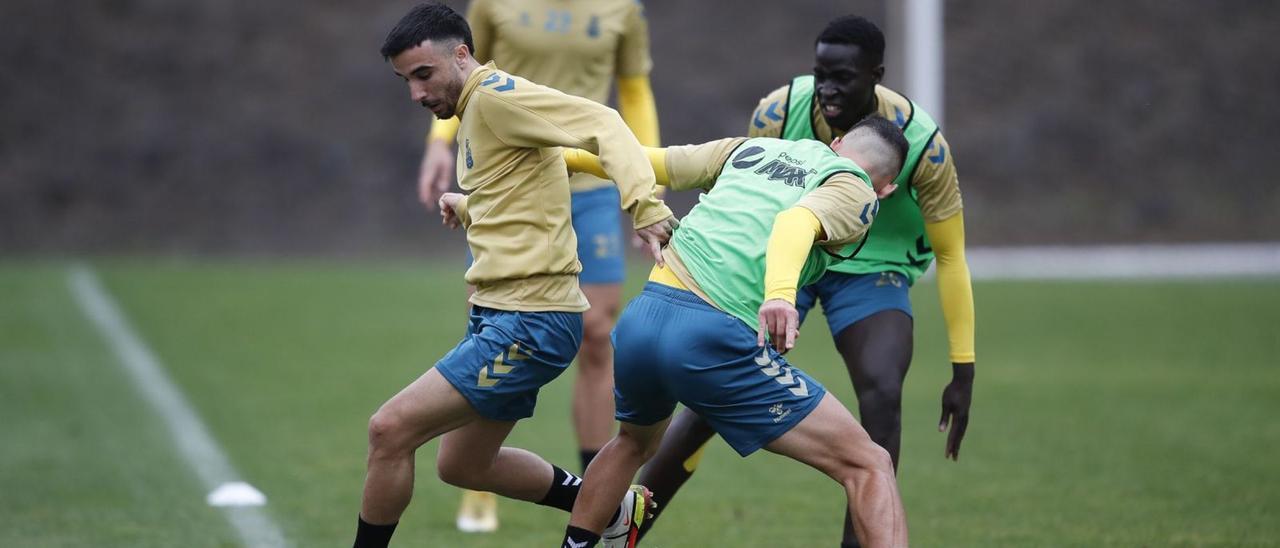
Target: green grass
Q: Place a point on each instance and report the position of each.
(1105, 414)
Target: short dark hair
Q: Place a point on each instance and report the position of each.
(431, 21)
(889, 132)
(855, 31)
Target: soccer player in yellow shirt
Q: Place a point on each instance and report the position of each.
(526, 318)
(865, 299)
(580, 48)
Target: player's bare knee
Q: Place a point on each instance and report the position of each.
(595, 334)
(855, 464)
(385, 430)
(874, 458)
(635, 447)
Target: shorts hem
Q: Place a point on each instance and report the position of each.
(779, 430)
(639, 422)
(844, 324)
(471, 400)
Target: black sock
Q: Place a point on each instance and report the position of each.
(585, 456)
(850, 544)
(579, 538)
(369, 535)
(563, 491)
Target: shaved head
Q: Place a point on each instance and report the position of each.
(877, 146)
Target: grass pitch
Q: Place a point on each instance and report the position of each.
(1105, 414)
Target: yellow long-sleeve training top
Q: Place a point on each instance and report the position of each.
(517, 210)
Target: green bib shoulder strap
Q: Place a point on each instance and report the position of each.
(798, 123)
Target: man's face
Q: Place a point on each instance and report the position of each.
(844, 83)
(434, 76)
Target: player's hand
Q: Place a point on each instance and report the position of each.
(955, 407)
(436, 175)
(657, 235)
(448, 215)
(780, 320)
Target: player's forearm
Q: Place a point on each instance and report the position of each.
(581, 161)
(638, 110)
(955, 291)
(628, 166)
(444, 131)
(793, 234)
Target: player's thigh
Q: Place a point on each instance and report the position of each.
(830, 440)
(877, 350)
(597, 222)
(427, 408)
(474, 444)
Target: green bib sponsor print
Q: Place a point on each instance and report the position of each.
(722, 240)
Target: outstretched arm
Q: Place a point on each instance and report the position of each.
(679, 167)
(955, 293)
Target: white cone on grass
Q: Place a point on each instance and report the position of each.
(236, 493)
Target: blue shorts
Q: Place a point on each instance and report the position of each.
(597, 220)
(849, 298)
(671, 346)
(506, 357)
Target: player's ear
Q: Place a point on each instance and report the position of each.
(877, 74)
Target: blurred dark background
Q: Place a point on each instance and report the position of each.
(274, 128)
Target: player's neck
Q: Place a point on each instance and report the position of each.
(469, 66)
(868, 109)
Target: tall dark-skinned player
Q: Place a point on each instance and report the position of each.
(865, 299)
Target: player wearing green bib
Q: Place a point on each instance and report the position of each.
(866, 299)
(776, 215)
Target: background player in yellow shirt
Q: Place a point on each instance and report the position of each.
(866, 299)
(583, 49)
(526, 319)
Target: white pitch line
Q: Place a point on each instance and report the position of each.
(189, 433)
(1118, 262)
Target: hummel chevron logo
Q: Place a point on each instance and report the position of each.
(571, 480)
(781, 373)
(786, 377)
(763, 359)
(509, 85)
(802, 390)
(569, 543)
(767, 365)
(489, 377)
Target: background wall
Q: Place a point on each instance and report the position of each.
(274, 128)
